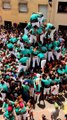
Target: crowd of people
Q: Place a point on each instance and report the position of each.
(33, 67)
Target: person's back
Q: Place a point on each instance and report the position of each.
(55, 114)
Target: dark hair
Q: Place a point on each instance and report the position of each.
(43, 117)
(66, 115)
(13, 56)
(35, 27)
(52, 28)
(2, 82)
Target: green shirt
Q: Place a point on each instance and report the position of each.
(37, 90)
(25, 38)
(23, 60)
(44, 49)
(12, 102)
(5, 87)
(7, 115)
(41, 55)
(56, 43)
(23, 109)
(61, 71)
(66, 69)
(32, 31)
(57, 80)
(39, 31)
(46, 82)
(29, 25)
(34, 16)
(35, 52)
(26, 88)
(13, 40)
(10, 46)
(50, 46)
(5, 106)
(17, 110)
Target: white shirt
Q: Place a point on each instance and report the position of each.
(43, 62)
(55, 89)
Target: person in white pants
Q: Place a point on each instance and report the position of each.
(35, 60)
(50, 55)
(26, 31)
(24, 67)
(42, 36)
(25, 116)
(45, 55)
(32, 38)
(3, 96)
(43, 62)
(29, 62)
(58, 54)
(37, 96)
(37, 87)
(41, 20)
(47, 91)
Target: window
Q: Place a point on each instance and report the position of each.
(62, 7)
(43, 9)
(23, 7)
(6, 5)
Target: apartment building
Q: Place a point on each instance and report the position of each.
(58, 13)
(20, 10)
(58, 16)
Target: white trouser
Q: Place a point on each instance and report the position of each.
(35, 60)
(42, 38)
(41, 19)
(36, 24)
(43, 62)
(50, 56)
(24, 67)
(45, 55)
(29, 61)
(31, 38)
(3, 96)
(57, 55)
(19, 117)
(47, 91)
(36, 97)
(1, 100)
(34, 38)
(25, 31)
(25, 116)
(32, 91)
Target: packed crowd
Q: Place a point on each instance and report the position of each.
(33, 67)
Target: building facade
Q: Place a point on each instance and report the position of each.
(58, 13)
(20, 10)
(58, 16)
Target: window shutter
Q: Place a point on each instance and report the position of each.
(43, 9)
